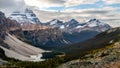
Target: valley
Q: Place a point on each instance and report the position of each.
(27, 42)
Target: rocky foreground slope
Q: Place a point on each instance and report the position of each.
(106, 56)
(103, 58)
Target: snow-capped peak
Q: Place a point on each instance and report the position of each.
(95, 22)
(73, 21)
(72, 24)
(55, 22)
(62, 27)
(27, 16)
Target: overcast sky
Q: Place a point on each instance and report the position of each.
(106, 10)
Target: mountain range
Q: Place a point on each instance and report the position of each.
(74, 25)
(93, 43)
(29, 17)
(55, 32)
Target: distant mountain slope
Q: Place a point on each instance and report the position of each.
(75, 32)
(103, 51)
(101, 40)
(65, 33)
(48, 38)
(76, 37)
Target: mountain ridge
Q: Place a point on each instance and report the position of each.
(70, 32)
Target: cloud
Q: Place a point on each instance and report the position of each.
(8, 6)
(81, 10)
(42, 4)
(53, 3)
(79, 2)
(59, 2)
(112, 1)
(106, 14)
(92, 10)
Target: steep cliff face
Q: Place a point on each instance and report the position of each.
(7, 25)
(46, 38)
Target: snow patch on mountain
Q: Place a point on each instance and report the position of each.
(79, 26)
(62, 27)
